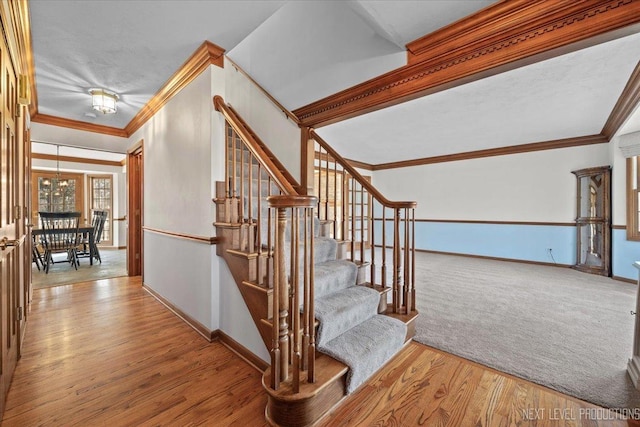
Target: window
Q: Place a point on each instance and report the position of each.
(101, 199)
(633, 194)
(57, 195)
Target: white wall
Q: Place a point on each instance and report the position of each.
(536, 187)
(177, 198)
(280, 134)
(184, 146)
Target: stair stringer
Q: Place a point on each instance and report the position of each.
(241, 266)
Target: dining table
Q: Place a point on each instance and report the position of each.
(84, 229)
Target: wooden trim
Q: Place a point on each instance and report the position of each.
(207, 54)
(501, 151)
(502, 37)
(624, 279)
(360, 165)
(75, 159)
(242, 351)
(200, 239)
(626, 104)
(208, 334)
(464, 221)
(78, 125)
(135, 209)
(619, 227)
(286, 112)
(522, 261)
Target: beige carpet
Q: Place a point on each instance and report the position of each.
(62, 273)
(558, 327)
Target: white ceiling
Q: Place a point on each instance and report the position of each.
(301, 51)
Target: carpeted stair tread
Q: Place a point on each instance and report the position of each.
(340, 311)
(366, 347)
(325, 249)
(333, 276)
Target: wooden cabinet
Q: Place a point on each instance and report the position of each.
(593, 220)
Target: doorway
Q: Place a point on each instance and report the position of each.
(135, 176)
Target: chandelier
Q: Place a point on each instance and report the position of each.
(104, 100)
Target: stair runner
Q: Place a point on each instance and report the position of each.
(350, 328)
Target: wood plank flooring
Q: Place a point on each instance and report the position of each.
(107, 353)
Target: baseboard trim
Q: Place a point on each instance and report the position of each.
(242, 351)
(206, 333)
(522, 261)
(633, 368)
(624, 279)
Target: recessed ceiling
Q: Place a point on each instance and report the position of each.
(564, 97)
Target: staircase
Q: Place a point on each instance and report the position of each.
(306, 268)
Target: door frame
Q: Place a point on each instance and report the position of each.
(135, 209)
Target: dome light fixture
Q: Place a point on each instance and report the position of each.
(104, 100)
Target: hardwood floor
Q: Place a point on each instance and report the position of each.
(107, 353)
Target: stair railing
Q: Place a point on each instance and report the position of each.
(283, 231)
(378, 233)
(252, 173)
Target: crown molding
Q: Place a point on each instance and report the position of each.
(75, 159)
(207, 54)
(78, 125)
(502, 37)
(626, 104)
(501, 151)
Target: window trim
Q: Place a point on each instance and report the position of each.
(106, 240)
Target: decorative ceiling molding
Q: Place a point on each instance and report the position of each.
(207, 54)
(76, 159)
(501, 151)
(627, 103)
(78, 125)
(479, 46)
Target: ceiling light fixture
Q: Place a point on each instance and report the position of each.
(61, 182)
(104, 100)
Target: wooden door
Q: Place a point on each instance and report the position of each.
(12, 224)
(135, 173)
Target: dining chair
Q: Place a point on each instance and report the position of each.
(97, 223)
(60, 234)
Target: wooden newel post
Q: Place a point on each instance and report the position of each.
(283, 295)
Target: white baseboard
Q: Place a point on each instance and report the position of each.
(633, 368)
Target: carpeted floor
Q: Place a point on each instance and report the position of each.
(558, 327)
(113, 265)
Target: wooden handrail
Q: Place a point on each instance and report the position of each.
(283, 179)
(288, 113)
(358, 177)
